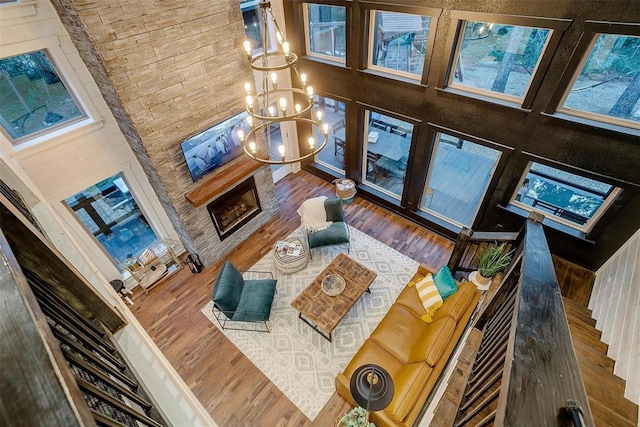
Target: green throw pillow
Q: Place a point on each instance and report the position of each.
(445, 282)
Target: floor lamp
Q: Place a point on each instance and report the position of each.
(372, 388)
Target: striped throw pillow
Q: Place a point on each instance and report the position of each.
(430, 297)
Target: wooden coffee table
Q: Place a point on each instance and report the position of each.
(323, 312)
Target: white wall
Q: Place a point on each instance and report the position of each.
(615, 302)
(74, 158)
(48, 170)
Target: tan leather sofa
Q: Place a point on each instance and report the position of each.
(412, 351)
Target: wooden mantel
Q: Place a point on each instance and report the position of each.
(222, 181)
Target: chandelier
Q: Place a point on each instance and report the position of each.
(274, 103)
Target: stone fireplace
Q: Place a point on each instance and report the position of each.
(235, 208)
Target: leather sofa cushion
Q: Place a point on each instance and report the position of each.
(398, 330)
(457, 304)
(407, 383)
(371, 352)
(430, 346)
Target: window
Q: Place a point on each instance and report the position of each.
(333, 114)
(563, 197)
(398, 42)
(498, 59)
(110, 213)
(607, 87)
(459, 175)
(35, 99)
(387, 142)
(325, 31)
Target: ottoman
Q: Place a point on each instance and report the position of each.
(288, 264)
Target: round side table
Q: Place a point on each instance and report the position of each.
(289, 264)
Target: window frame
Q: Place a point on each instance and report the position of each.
(368, 18)
(458, 22)
(592, 30)
(334, 170)
(56, 127)
(307, 36)
(588, 227)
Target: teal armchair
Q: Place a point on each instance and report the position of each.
(336, 234)
(237, 299)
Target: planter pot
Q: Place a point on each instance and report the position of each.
(481, 282)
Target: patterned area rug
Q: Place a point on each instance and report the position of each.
(297, 360)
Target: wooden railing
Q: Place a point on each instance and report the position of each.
(525, 370)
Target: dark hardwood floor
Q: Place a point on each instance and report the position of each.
(229, 386)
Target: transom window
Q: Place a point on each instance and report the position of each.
(607, 87)
(398, 42)
(564, 197)
(326, 31)
(497, 59)
(35, 98)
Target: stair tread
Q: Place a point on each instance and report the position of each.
(594, 355)
(586, 334)
(576, 310)
(606, 388)
(605, 416)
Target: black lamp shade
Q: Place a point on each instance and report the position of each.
(371, 387)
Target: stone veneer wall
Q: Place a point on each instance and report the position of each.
(168, 70)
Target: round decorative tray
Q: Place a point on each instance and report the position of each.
(333, 285)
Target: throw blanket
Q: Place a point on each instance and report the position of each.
(312, 215)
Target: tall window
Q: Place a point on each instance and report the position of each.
(110, 213)
(398, 42)
(325, 31)
(607, 88)
(333, 114)
(34, 97)
(387, 142)
(252, 17)
(497, 59)
(459, 175)
(564, 197)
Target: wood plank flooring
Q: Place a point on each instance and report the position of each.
(229, 386)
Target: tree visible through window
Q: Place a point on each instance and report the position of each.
(609, 82)
(498, 58)
(33, 96)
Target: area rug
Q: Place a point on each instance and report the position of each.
(295, 358)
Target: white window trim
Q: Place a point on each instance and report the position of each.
(588, 114)
(484, 92)
(52, 46)
(372, 32)
(586, 228)
(307, 36)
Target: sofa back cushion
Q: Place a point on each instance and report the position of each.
(408, 383)
(431, 344)
(228, 288)
(456, 305)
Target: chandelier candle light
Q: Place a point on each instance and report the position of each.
(275, 103)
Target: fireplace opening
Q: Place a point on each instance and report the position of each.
(235, 208)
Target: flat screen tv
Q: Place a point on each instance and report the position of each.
(212, 148)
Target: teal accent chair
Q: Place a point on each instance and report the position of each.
(237, 299)
(336, 234)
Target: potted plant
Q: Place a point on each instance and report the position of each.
(493, 259)
(356, 417)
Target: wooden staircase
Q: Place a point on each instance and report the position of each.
(604, 389)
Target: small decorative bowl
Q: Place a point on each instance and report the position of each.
(333, 285)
